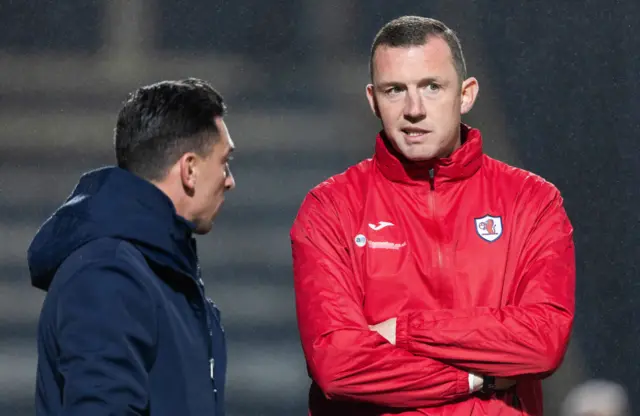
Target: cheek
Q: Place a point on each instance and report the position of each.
(218, 186)
(445, 111)
(390, 112)
(211, 189)
(454, 105)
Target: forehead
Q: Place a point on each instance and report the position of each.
(431, 59)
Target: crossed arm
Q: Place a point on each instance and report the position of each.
(528, 337)
(429, 365)
(345, 358)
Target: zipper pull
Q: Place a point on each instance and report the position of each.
(211, 367)
(432, 175)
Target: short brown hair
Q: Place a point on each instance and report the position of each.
(415, 31)
(159, 123)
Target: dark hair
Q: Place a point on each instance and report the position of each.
(415, 31)
(159, 123)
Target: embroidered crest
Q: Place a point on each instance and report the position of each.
(489, 228)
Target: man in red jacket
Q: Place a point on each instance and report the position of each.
(431, 279)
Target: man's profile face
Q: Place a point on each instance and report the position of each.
(214, 179)
(416, 93)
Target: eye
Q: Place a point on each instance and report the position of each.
(393, 90)
(433, 87)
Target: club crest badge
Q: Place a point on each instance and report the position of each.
(489, 228)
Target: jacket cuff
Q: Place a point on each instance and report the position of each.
(464, 384)
(402, 332)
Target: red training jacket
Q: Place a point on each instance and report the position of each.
(474, 257)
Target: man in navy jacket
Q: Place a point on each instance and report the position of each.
(126, 328)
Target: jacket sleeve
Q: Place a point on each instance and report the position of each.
(106, 332)
(345, 359)
(526, 338)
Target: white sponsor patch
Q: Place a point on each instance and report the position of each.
(386, 245)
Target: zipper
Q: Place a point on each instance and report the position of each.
(207, 314)
(432, 209)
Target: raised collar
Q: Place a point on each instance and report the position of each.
(463, 162)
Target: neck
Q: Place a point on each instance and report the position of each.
(456, 143)
(456, 146)
(176, 197)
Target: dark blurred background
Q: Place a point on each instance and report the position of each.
(559, 96)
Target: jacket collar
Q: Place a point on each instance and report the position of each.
(463, 162)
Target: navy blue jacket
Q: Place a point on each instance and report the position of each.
(125, 328)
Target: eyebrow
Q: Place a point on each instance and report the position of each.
(423, 81)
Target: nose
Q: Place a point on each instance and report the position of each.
(229, 182)
(414, 110)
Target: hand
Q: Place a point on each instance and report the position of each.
(387, 329)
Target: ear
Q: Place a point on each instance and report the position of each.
(188, 171)
(468, 94)
(373, 103)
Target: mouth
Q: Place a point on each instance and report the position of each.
(414, 134)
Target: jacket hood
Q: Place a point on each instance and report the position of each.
(112, 202)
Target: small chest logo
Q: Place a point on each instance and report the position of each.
(489, 228)
(360, 240)
(380, 225)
